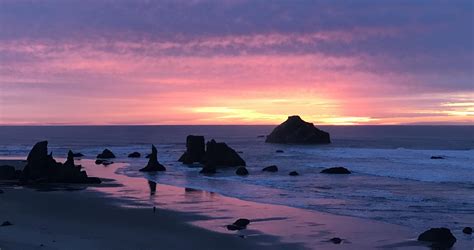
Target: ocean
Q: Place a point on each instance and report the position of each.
(394, 180)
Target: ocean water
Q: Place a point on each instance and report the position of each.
(394, 179)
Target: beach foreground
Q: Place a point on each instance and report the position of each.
(119, 215)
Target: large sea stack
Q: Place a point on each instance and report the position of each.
(42, 167)
(218, 154)
(195, 149)
(296, 131)
(153, 164)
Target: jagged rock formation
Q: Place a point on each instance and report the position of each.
(42, 167)
(296, 131)
(195, 150)
(153, 164)
(218, 154)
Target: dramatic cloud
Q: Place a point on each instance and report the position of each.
(194, 62)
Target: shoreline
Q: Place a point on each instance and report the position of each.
(195, 215)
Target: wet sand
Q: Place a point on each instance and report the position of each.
(118, 214)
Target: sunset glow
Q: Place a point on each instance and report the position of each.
(176, 64)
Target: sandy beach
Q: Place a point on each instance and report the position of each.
(118, 214)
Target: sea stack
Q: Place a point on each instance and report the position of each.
(42, 167)
(218, 154)
(153, 164)
(296, 131)
(195, 149)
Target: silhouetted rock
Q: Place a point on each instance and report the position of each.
(440, 237)
(148, 156)
(279, 151)
(6, 223)
(77, 155)
(437, 157)
(219, 154)
(242, 222)
(153, 164)
(9, 173)
(296, 131)
(195, 149)
(336, 240)
(103, 162)
(271, 168)
(208, 170)
(467, 230)
(238, 225)
(134, 155)
(233, 227)
(336, 170)
(106, 154)
(241, 171)
(1, 191)
(106, 163)
(42, 167)
(293, 173)
(70, 159)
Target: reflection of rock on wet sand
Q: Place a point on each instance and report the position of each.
(152, 186)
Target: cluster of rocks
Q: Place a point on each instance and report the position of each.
(212, 155)
(41, 167)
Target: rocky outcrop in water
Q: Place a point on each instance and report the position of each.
(467, 230)
(271, 168)
(195, 149)
(296, 131)
(441, 238)
(134, 155)
(43, 168)
(106, 154)
(293, 173)
(153, 164)
(242, 171)
(336, 170)
(218, 154)
(208, 170)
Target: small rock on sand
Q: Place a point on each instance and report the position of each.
(238, 224)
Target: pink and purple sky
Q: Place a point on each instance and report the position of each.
(236, 62)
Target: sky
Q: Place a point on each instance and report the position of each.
(236, 62)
